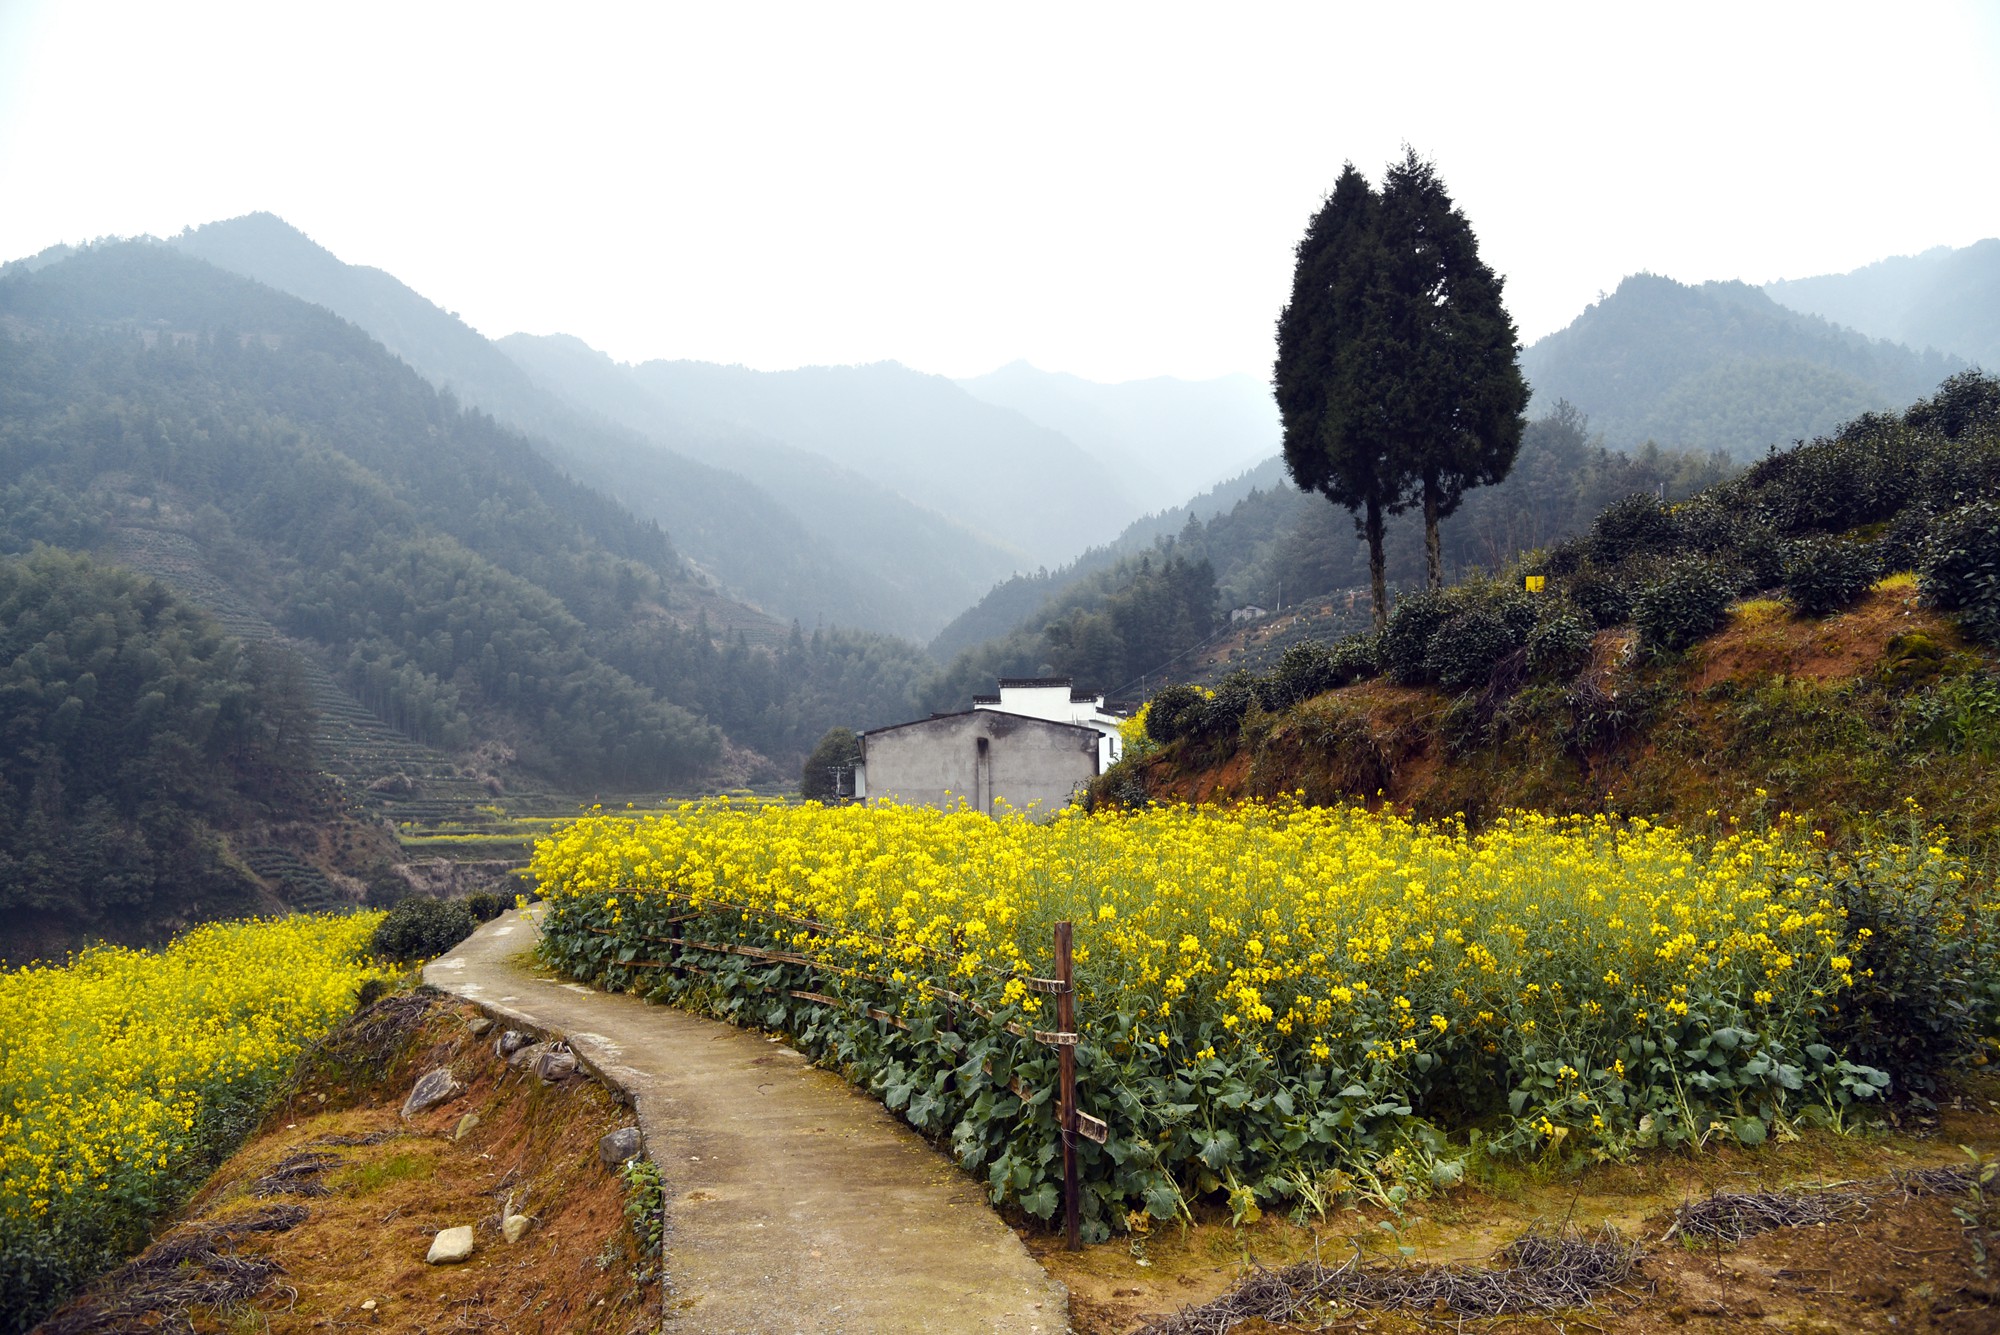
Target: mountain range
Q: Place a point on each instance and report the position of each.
(876, 496)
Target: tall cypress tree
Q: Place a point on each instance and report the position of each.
(1451, 389)
(1333, 343)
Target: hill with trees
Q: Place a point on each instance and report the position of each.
(1944, 299)
(664, 465)
(1029, 488)
(1166, 439)
(439, 564)
(1277, 547)
(134, 736)
(1816, 633)
(1719, 366)
(911, 566)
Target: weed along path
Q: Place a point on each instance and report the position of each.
(794, 1202)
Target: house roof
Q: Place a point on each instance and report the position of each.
(1005, 682)
(984, 713)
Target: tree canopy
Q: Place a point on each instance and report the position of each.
(1397, 375)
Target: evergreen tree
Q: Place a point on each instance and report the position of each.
(1332, 348)
(1451, 387)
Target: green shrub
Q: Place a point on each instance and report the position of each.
(1304, 670)
(1406, 643)
(1356, 658)
(1172, 714)
(1825, 575)
(1683, 604)
(1639, 525)
(1559, 644)
(421, 927)
(1960, 570)
(485, 907)
(1601, 595)
(1222, 713)
(1925, 988)
(1464, 649)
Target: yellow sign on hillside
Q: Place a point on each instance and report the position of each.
(1535, 583)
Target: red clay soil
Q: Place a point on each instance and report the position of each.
(382, 1189)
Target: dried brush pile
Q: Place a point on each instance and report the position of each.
(1542, 1272)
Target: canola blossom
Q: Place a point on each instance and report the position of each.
(1268, 993)
(124, 1071)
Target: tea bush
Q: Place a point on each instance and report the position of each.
(1827, 575)
(1685, 602)
(421, 927)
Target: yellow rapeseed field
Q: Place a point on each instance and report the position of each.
(121, 1070)
(1273, 989)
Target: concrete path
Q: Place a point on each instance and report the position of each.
(795, 1203)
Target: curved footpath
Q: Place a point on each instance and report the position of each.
(794, 1202)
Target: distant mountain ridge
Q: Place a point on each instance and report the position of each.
(1719, 366)
(1944, 299)
(924, 564)
(752, 544)
(1169, 438)
(1019, 483)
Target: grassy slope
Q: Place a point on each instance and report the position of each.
(1841, 718)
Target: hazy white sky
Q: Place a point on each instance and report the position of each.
(1112, 190)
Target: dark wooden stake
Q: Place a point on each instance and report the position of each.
(1066, 1022)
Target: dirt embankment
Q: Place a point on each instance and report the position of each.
(1837, 717)
(323, 1219)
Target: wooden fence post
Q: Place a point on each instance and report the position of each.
(1066, 1114)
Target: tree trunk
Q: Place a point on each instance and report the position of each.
(1377, 565)
(1433, 557)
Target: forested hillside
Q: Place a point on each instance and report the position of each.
(1024, 486)
(666, 467)
(132, 731)
(1099, 618)
(445, 568)
(1944, 299)
(1166, 439)
(1718, 367)
(910, 567)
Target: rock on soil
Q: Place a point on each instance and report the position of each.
(619, 1146)
(450, 1245)
(433, 1087)
(554, 1066)
(510, 1042)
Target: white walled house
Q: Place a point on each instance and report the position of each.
(1034, 745)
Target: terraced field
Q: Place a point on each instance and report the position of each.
(351, 742)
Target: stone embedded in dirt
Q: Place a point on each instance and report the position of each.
(619, 1146)
(515, 1227)
(479, 1026)
(433, 1087)
(450, 1245)
(553, 1066)
(510, 1042)
(529, 1055)
(464, 1127)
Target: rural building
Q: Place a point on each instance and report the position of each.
(1034, 745)
(1248, 612)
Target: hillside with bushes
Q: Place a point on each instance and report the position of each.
(138, 740)
(1815, 634)
(1103, 620)
(437, 564)
(1719, 366)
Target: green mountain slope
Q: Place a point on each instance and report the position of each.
(917, 567)
(1168, 438)
(1720, 366)
(1268, 544)
(442, 567)
(752, 545)
(1944, 299)
(1025, 487)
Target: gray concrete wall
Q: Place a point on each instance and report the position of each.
(1027, 761)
